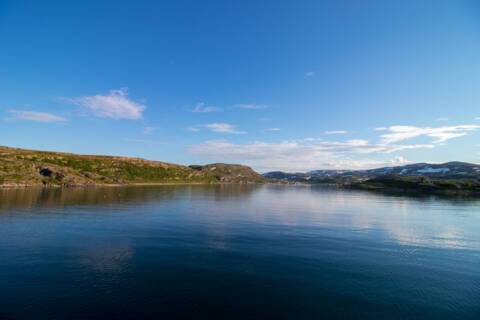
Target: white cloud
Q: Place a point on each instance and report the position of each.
(223, 128)
(202, 108)
(250, 106)
(442, 119)
(273, 129)
(114, 105)
(440, 134)
(336, 132)
(193, 129)
(36, 116)
(298, 155)
(365, 147)
(316, 153)
(309, 74)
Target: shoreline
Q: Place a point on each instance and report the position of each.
(53, 186)
(386, 191)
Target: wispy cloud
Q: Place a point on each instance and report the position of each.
(317, 153)
(192, 129)
(203, 108)
(273, 129)
(223, 128)
(299, 155)
(250, 106)
(114, 105)
(440, 134)
(363, 146)
(36, 116)
(442, 119)
(309, 74)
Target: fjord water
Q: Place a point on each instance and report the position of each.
(269, 252)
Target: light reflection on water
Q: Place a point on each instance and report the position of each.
(188, 250)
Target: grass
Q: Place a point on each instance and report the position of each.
(23, 167)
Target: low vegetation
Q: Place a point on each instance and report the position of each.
(20, 167)
(230, 173)
(422, 178)
(395, 183)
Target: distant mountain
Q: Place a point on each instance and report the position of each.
(418, 184)
(449, 170)
(20, 167)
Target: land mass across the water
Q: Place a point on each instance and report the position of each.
(446, 178)
(25, 168)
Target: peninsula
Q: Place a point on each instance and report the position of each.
(23, 168)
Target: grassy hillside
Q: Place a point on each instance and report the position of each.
(29, 167)
(230, 173)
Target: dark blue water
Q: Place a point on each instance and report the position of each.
(233, 252)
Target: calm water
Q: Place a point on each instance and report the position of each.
(266, 252)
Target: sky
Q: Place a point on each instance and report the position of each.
(277, 85)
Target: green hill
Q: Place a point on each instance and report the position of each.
(20, 167)
(230, 173)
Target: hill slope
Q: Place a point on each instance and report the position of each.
(231, 173)
(20, 167)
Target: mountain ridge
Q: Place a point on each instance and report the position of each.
(449, 169)
(450, 177)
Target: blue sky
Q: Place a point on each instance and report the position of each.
(278, 85)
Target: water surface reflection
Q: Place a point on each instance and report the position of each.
(236, 252)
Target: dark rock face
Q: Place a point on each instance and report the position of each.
(49, 173)
(46, 172)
